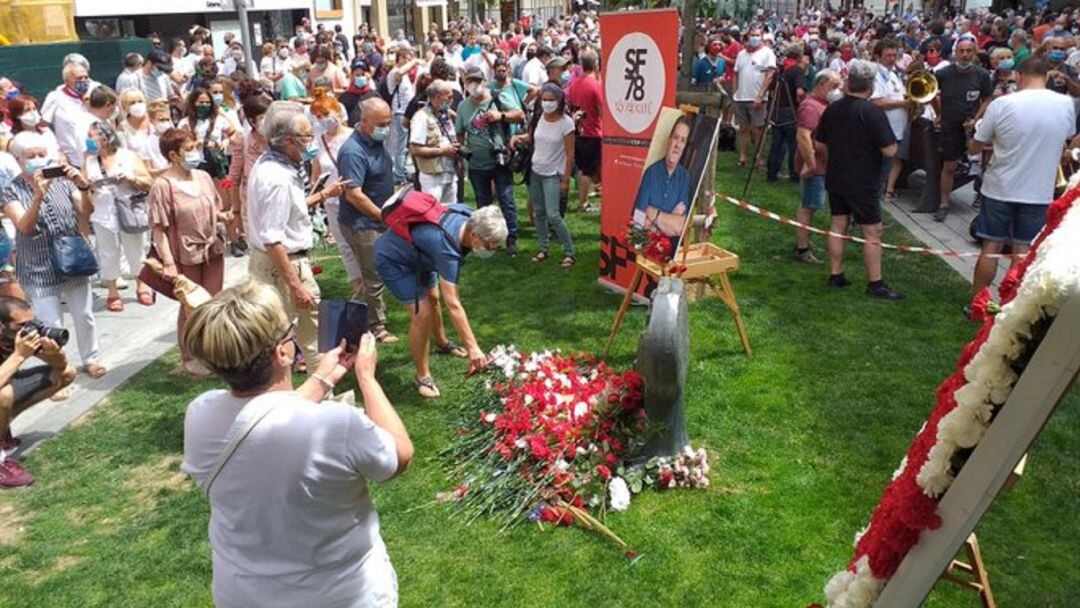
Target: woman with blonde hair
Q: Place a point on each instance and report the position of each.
(137, 129)
(286, 470)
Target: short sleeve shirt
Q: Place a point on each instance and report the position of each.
(961, 93)
(186, 211)
(511, 97)
(808, 117)
(472, 122)
(433, 249)
(368, 164)
(587, 95)
(855, 131)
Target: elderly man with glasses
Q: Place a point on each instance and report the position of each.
(278, 223)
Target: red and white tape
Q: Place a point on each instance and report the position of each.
(948, 253)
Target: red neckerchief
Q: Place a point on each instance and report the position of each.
(413, 72)
(355, 90)
(72, 94)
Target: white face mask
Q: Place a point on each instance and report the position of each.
(473, 89)
(283, 53)
(137, 110)
(162, 126)
(549, 106)
(30, 119)
(328, 124)
(834, 95)
(192, 159)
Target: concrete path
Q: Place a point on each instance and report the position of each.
(130, 340)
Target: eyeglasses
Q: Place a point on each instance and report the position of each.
(288, 334)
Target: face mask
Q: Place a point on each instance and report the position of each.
(754, 42)
(192, 159)
(310, 152)
(219, 98)
(137, 110)
(948, 31)
(203, 111)
(237, 55)
(13, 93)
(283, 53)
(36, 164)
(162, 126)
(390, 59)
(834, 95)
(360, 81)
(1059, 27)
(30, 119)
(81, 87)
(380, 133)
(329, 123)
(92, 145)
(530, 54)
(156, 73)
(472, 89)
(1005, 65)
(564, 78)
(1056, 56)
(501, 77)
(963, 66)
(549, 106)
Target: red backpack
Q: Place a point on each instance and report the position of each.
(410, 209)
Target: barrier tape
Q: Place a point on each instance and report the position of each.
(948, 253)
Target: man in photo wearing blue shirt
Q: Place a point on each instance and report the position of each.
(663, 197)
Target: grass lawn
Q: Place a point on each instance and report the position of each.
(805, 435)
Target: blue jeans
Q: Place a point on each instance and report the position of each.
(1006, 221)
(501, 180)
(544, 192)
(783, 144)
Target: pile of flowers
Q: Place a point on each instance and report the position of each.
(987, 371)
(544, 437)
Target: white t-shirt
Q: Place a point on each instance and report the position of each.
(418, 134)
(887, 85)
(1028, 130)
(751, 69)
(534, 73)
(202, 125)
(291, 519)
(549, 148)
(277, 208)
(402, 88)
(477, 60)
(71, 126)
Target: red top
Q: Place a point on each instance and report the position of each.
(731, 51)
(809, 116)
(586, 94)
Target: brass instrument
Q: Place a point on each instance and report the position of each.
(922, 87)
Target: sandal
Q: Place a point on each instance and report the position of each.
(62, 395)
(385, 337)
(426, 387)
(541, 256)
(94, 370)
(449, 348)
(568, 262)
(147, 298)
(114, 304)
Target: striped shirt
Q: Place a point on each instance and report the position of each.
(57, 216)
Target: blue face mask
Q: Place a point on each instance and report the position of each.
(81, 87)
(1006, 65)
(754, 42)
(36, 164)
(13, 93)
(311, 151)
(92, 146)
(219, 98)
(360, 81)
(380, 133)
(1056, 56)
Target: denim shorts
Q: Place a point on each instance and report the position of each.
(813, 192)
(1003, 222)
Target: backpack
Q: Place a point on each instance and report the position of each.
(383, 89)
(412, 208)
(727, 138)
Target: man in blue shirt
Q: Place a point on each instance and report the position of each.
(416, 272)
(663, 198)
(710, 67)
(366, 163)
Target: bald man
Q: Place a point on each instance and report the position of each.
(365, 161)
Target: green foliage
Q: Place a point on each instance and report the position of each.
(805, 435)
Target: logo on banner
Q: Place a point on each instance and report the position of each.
(634, 82)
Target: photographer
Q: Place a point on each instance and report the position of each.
(285, 470)
(21, 337)
(480, 126)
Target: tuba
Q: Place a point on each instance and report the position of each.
(922, 87)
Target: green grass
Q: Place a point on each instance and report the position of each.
(805, 435)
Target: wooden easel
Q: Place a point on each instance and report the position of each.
(706, 265)
(972, 575)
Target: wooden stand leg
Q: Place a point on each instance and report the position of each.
(634, 284)
(972, 575)
(727, 296)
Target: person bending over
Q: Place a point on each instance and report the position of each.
(291, 518)
(433, 260)
(21, 339)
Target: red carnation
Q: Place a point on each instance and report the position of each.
(981, 306)
(316, 270)
(611, 460)
(603, 472)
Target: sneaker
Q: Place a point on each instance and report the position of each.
(806, 256)
(940, 214)
(881, 291)
(242, 244)
(236, 250)
(837, 281)
(511, 249)
(13, 475)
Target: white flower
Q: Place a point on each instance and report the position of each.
(618, 494)
(839, 584)
(581, 409)
(961, 426)
(489, 418)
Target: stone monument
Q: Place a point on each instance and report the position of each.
(663, 356)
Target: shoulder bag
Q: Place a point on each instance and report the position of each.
(152, 279)
(132, 213)
(214, 160)
(70, 254)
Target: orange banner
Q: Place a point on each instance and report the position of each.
(640, 60)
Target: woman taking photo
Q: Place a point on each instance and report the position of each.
(185, 215)
(42, 211)
(245, 154)
(291, 517)
(552, 137)
(107, 160)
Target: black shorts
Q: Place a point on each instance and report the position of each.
(587, 156)
(953, 145)
(29, 382)
(864, 209)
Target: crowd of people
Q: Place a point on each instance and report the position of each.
(199, 153)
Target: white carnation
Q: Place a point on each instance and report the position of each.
(618, 494)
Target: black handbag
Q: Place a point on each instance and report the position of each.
(215, 162)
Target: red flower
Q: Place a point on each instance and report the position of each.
(979, 305)
(603, 472)
(667, 478)
(316, 269)
(611, 459)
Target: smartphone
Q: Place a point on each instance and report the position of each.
(53, 172)
(320, 183)
(354, 324)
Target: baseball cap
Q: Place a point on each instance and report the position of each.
(359, 63)
(558, 61)
(161, 60)
(474, 73)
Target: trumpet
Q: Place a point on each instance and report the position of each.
(921, 88)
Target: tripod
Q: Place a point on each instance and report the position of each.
(780, 88)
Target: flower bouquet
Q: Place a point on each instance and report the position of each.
(543, 439)
(653, 245)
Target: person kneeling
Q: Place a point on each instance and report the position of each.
(434, 258)
(22, 338)
(285, 471)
